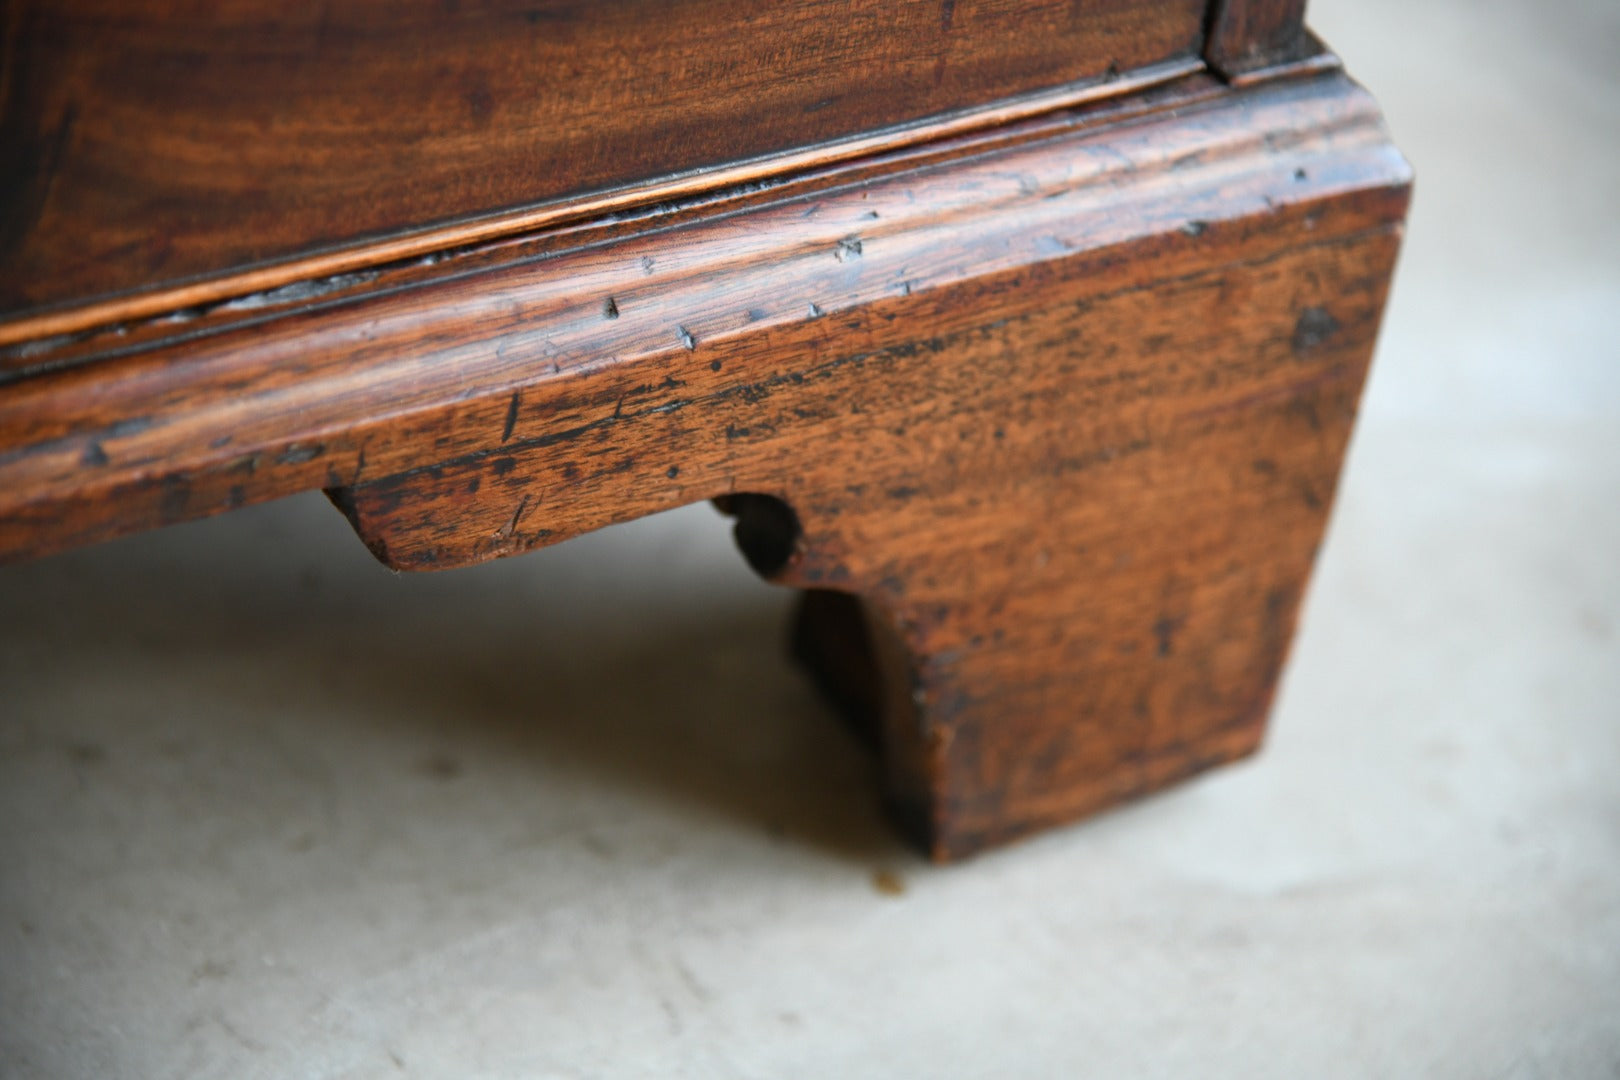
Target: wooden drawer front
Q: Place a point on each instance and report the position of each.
(148, 143)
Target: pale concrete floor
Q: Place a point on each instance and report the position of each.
(268, 811)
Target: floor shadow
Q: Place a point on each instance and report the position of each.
(678, 688)
(711, 715)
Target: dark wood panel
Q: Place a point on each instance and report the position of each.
(1246, 36)
(149, 143)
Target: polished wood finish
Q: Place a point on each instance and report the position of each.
(1248, 35)
(1062, 404)
(1254, 41)
(145, 146)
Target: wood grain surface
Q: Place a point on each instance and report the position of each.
(1249, 36)
(144, 145)
(1066, 413)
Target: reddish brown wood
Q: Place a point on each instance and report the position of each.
(143, 145)
(196, 310)
(1249, 36)
(1065, 412)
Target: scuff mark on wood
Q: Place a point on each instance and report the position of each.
(1315, 326)
(511, 415)
(299, 455)
(506, 531)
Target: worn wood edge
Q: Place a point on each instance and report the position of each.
(356, 258)
(250, 417)
(108, 342)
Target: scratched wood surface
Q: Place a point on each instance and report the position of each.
(153, 143)
(1066, 414)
